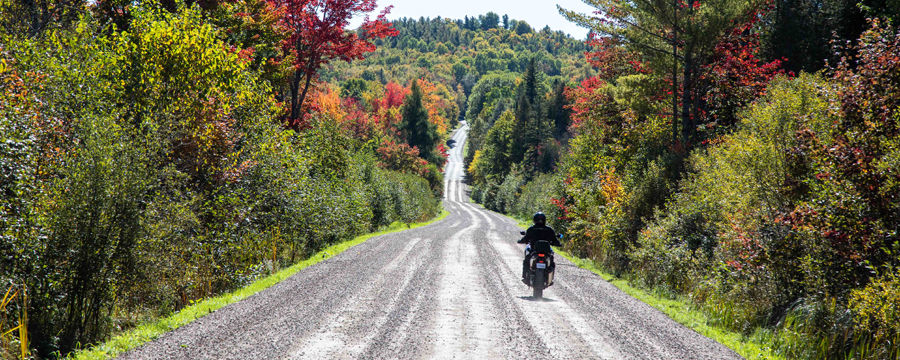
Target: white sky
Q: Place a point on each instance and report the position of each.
(537, 13)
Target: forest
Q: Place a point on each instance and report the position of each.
(742, 155)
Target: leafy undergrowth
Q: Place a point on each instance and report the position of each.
(680, 310)
(150, 331)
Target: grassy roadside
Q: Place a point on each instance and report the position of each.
(678, 309)
(150, 331)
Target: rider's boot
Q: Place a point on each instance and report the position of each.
(525, 277)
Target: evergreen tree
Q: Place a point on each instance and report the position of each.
(506, 21)
(419, 132)
(522, 27)
(489, 21)
(530, 122)
(556, 110)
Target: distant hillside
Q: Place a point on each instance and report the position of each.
(457, 53)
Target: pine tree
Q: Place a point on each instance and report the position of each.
(419, 132)
(530, 122)
(556, 110)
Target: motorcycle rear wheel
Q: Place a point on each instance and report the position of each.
(538, 284)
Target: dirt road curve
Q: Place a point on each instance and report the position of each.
(450, 290)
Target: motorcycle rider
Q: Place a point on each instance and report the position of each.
(538, 231)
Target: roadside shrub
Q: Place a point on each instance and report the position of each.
(876, 308)
(435, 177)
(508, 193)
(91, 213)
(737, 185)
(536, 196)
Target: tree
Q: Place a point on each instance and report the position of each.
(670, 33)
(418, 131)
(319, 36)
(522, 27)
(557, 110)
(489, 21)
(459, 70)
(506, 21)
(494, 160)
(736, 77)
(354, 88)
(530, 120)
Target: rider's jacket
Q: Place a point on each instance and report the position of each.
(539, 232)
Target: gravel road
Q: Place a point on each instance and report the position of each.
(449, 290)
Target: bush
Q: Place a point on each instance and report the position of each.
(508, 193)
(877, 308)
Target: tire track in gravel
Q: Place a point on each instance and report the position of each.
(447, 290)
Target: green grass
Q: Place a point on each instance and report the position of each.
(680, 310)
(465, 148)
(150, 331)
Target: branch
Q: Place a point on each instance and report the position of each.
(648, 47)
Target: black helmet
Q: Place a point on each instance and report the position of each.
(539, 218)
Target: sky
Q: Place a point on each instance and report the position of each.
(535, 12)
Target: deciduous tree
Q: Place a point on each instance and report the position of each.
(318, 36)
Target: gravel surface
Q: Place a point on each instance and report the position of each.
(449, 290)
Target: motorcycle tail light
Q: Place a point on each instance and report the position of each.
(541, 255)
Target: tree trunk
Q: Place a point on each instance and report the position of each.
(295, 88)
(675, 72)
(687, 124)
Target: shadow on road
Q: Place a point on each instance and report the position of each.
(531, 298)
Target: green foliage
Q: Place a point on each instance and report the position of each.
(31, 18)
(418, 131)
(535, 196)
(354, 88)
(494, 160)
(456, 54)
(523, 28)
(725, 216)
(91, 237)
(876, 306)
(489, 89)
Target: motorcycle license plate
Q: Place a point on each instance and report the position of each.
(541, 266)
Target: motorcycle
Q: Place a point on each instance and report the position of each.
(542, 267)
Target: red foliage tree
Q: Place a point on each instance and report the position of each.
(592, 106)
(394, 95)
(735, 76)
(318, 36)
(611, 59)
